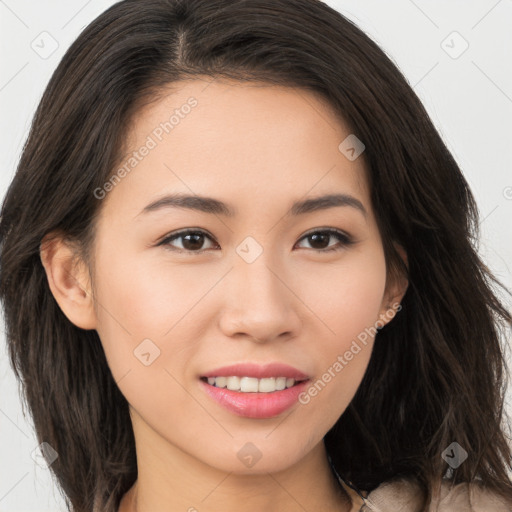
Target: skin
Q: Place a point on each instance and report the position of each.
(257, 148)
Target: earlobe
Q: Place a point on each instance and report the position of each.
(69, 281)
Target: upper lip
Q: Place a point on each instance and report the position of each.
(257, 371)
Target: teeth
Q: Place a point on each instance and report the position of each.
(233, 383)
(280, 383)
(251, 384)
(220, 382)
(267, 385)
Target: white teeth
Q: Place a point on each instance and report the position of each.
(220, 382)
(248, 384)
(251, 384)
(267, 385)
(233, 383)
(280, 383)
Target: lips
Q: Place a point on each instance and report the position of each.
(256, 405)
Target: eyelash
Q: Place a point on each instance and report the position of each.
(344, 239)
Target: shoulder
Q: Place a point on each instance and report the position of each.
(471, 497)
(405, 495)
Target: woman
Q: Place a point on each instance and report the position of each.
(184, 340)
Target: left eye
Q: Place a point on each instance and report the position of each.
(319, 237)
(193, 241)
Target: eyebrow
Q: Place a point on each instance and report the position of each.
(216, 207)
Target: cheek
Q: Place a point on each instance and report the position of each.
(134, 309)
(139, 310)
(150, 293)
(148, 305)
(347, 295)
(348, 304)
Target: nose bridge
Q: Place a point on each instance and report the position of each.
(259, 280)
(256, 279)
(254, 264)
(258, 303)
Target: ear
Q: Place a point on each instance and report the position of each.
(69, 281)
(396, 286)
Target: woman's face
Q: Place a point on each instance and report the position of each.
(257, 286)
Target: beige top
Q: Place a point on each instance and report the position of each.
(404, 495)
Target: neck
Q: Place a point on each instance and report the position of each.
(307, 485)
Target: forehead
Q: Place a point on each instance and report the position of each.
(231, 137)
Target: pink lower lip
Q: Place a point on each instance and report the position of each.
(255, 405)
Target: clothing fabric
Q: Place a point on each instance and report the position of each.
(405, 495)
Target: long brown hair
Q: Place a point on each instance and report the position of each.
(437, 371)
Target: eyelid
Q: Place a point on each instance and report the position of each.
(325, 230)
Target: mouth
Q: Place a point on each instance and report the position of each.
(244, 384)
(253, 390)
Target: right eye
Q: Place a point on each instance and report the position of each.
(192, 241)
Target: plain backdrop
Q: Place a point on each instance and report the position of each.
(456, 55)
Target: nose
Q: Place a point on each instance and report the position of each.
(260, 303)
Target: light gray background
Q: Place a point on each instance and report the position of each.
(469, 97)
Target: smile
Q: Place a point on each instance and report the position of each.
(251, 384)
